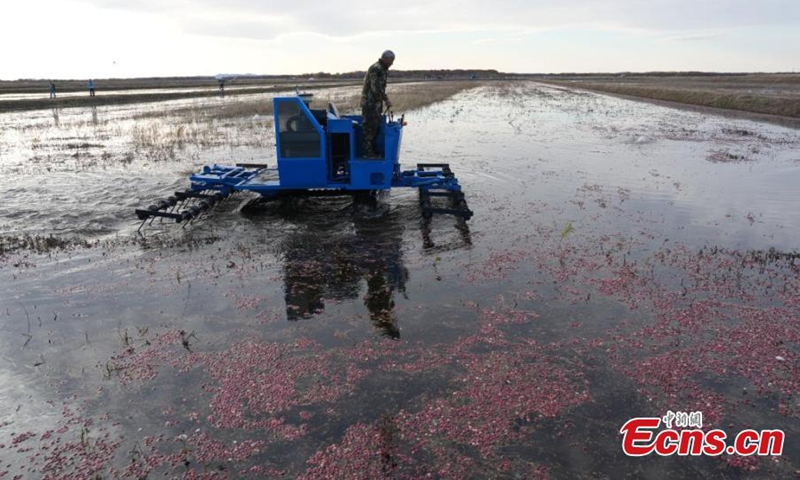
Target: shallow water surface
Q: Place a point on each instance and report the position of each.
(624, 259)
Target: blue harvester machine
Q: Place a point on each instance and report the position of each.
(318, 154)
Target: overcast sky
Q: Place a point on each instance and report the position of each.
(134, 38)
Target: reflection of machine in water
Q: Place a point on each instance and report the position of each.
(330, 263)
(462, 240)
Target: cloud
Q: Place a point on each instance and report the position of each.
(171, 37)
(354, 17)
(694, 36)
(497, 41)
(233, 25)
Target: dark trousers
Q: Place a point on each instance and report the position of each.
(371, 115)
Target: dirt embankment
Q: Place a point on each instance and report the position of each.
(768, 94)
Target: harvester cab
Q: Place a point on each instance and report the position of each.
(318, 153)
(321, 149)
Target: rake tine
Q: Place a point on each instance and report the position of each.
(192, 219)
(216, 205)
(172, 208)
(185, 224)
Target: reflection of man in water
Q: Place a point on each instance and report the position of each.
(373, 96)
(379, 300)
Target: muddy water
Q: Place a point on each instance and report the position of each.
(624, 260)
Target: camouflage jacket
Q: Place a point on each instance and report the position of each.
(374, 91)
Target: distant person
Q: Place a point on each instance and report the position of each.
(373, 97)
(52, 89)
(222, 85)
(90, 85)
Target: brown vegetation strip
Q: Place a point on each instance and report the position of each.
(784, 101)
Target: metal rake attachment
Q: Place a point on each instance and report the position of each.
(448, 188)
(183, 206)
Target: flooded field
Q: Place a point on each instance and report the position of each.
(139, 91)
(624, 260)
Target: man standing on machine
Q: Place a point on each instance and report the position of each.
(373, 96)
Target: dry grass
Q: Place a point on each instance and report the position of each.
(243, 108)
(768, 94)
(38, 243)
(159, 142)
(199, 113)
(426, 94)
(407, 97)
